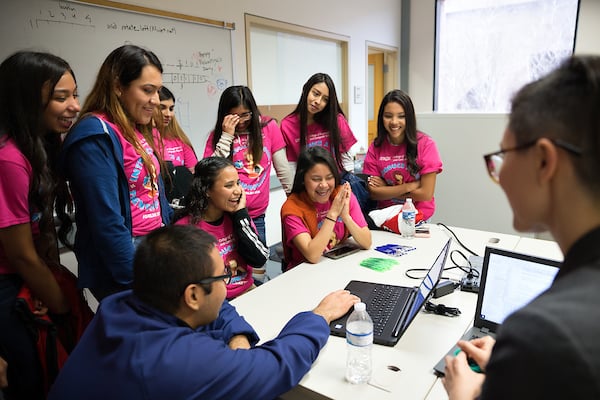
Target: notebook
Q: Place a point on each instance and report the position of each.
(508, 282)
(391, 307)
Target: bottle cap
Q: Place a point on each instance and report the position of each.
(360, 306)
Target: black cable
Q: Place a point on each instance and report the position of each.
(415, 270)
(457, 239)
(472, 272)
(425, 270)
(440, 309)
(466, 269)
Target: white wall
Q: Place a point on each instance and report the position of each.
(465, 196)
(464, 193)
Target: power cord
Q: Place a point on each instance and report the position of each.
(470, 270)
(472, 274)
(457, 239)
(440, 309)
(467, 269)
(408, 273)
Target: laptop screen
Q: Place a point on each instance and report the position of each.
(429, 282)
(510, 281)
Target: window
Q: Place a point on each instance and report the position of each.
(488, 49)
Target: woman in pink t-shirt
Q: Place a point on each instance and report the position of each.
(38, 103)
(216, 203)
(176, 146)
(254, 143)
(318, 120)
(114, 168)
(402, 162)
(320, 213)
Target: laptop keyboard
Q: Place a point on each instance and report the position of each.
(381, 305)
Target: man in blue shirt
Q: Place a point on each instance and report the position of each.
(175, 336)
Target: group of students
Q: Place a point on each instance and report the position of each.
(114, 158)
(121, 197)
(172, 278)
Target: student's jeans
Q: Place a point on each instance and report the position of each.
(259, 223)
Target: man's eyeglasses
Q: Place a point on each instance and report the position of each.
(226, 277)
(493, 161)
(245, 116)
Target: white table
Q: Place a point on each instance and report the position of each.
(430, 336)
(540, 248)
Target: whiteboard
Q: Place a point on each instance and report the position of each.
(279, 67)
(196, 58)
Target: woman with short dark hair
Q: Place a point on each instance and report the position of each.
(321, 212)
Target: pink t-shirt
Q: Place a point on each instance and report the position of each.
(143, 186)
(254, 177)
(228, 249)
(179, 153)
(389, 161)
(15, 181)
(317, 135)
(293, 226)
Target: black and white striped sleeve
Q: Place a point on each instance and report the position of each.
(254, 252)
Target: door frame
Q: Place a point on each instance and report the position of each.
(391, 75)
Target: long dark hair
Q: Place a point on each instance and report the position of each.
(173, 130)
(328, 118)
(307, 159)
(232, 97)
(23, 76)
(410, 130)
(205, 173)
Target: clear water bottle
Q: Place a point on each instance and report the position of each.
(359, 336)
(407, 225)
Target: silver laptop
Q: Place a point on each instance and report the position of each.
(508, 282)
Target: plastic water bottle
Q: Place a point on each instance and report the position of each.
(407, 225)
(359, 336)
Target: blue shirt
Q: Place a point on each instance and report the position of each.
(133, 351)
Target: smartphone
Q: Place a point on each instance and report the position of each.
(422, 231)
(341, 251)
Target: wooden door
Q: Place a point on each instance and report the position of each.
(375, 91)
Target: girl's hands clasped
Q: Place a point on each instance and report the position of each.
(341, 203)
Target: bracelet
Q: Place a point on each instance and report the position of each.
(331, 219)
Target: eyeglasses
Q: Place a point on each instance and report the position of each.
(226, 277)
(493, 161)
(245, 116)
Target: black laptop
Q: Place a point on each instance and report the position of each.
(391, 307)
(508, 282)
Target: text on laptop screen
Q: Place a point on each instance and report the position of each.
(512, 283)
